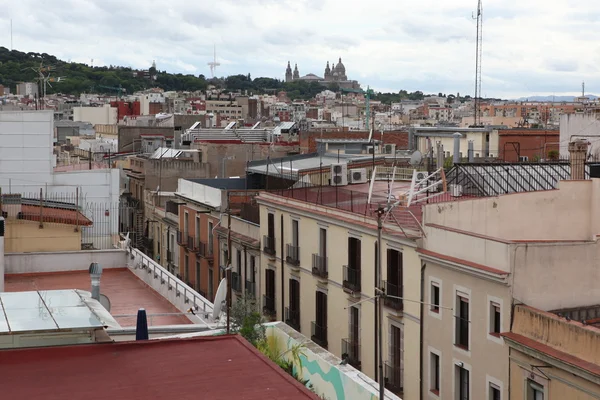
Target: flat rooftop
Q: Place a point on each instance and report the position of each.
(217, 367)
(125, 291)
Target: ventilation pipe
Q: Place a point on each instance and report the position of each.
(1, 253)
(471, 152)
(577, 154)
(456, 156)
(95, 274)
(141, 327)
(441, 157)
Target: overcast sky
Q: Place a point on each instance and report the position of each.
(530, 47)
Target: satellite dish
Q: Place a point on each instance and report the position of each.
(220, 298)
(415, 158)
(105, 301)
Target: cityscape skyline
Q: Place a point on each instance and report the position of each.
(389, 47)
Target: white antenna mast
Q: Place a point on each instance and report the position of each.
(214, 63)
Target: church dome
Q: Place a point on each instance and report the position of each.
(340, 67)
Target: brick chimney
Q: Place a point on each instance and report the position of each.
(578, 154)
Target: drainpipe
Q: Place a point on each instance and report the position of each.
(95, 273)
(282, 274)
(423, 265)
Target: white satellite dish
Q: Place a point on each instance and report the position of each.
(415, 158)
(220, 298)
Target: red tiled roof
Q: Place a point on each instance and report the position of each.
(218, 367)
(559, 355)
(126, 292)
(461, 261)
(56, 215)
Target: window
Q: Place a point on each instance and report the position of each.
(494, 319)
(323, 242)
(435, 297)
(186, 269)
(185, 225)
(535, 391)
(462, 322)
(295, 233)
(494, 392)
(462, 384)
(434, 377)
(197, 232)
(394, 282)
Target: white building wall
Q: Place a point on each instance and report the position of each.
(585, 127)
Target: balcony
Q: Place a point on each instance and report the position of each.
(292, 318)
(251, 289)
(393, 378)
(190, 243)
(269, 245)
(351, 278)
(319, 266)
(393, 290)
(351, 350)
(319, 334)
(269, 306)
(292, 254)
(181, 238)
(236, 281)
(204, 250)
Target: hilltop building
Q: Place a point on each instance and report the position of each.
(333, 74)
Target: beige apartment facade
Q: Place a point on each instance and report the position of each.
(317, 274)
(162, 216)
(483, 256)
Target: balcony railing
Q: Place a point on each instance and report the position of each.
(319, 266)
(204, 250)
(251, 289)
(351, 350)
(181, 238)
(292, 254)
(269, 244)
(190, 243)
(292, 318)
(393, 290)
(236, 282)
(351, 278)
(319, 334)
(462, 332)
(393, 378)
(268, 305)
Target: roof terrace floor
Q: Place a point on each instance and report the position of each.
(125, 291)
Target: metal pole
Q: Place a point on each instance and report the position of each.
(380, 212)
(228, 267)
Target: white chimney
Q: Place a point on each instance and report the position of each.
(95, 273)
(2, 253)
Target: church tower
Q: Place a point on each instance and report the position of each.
(288, 73)
(296, 73)
(327, 75)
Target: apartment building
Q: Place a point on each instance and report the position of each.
(483, 256)
(317, 273)
(162, 223)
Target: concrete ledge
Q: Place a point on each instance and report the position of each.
(63, 261)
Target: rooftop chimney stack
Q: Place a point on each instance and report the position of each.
(95, 274)
(2, 222)
(471, 152)
(456, 156)
(578, 155)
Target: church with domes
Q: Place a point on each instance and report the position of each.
(336, 73)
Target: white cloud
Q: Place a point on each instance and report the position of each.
(530, 47)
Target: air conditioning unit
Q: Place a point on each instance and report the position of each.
(358, 175)
(421, 175)
(390, 149)
(339, 174)
(455, 190)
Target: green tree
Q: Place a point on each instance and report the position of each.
(247, 320)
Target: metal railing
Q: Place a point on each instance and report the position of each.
(461, 325)
(351, 350)
(393, 290)
(318, 334)
(204, 250)
(394, 378)
(269, 244)
(292, 318)
(181, 238)
(236, 281)
(196, 301)
(352, 278)
(292, 254)
(268, 305)
(319, 266)
(190, 243)
(251, 289)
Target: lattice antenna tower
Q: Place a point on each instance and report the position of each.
(478, 53)
(214, 63)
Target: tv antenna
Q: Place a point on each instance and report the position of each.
(478, 53)
(45, 79)
(214, 63)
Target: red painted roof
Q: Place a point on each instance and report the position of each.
(552, 352)
(56, 215)
(218, 367)
(461, 261)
